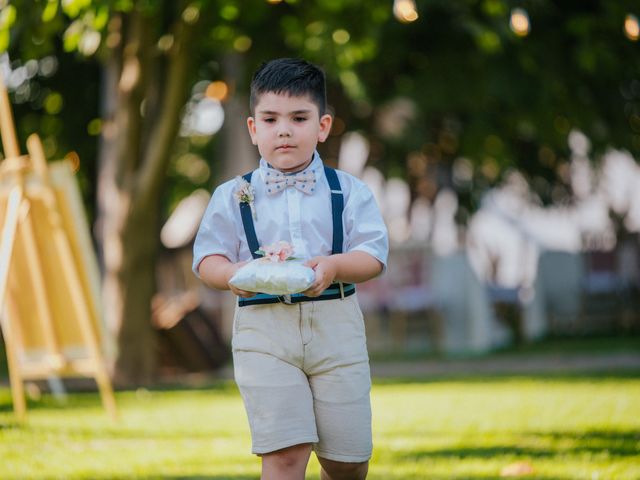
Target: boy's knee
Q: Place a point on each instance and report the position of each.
(332, 470)
(289, 457)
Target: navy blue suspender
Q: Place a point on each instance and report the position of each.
(337, 208)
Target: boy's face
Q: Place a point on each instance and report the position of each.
(287, 129)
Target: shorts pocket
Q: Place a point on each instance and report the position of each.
(356, 312)
(243, 315)
(236, 319)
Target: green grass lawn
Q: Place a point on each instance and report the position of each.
(564, 427)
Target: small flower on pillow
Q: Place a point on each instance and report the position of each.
(277, 252)
(276, 273)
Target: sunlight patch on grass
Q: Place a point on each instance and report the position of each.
(565, 428)
(472, 430)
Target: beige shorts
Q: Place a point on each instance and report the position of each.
(303, 372)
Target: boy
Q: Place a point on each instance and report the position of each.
(300, 361)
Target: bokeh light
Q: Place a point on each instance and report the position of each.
(94, 127)
(74, 160)
(341, 36)
(519, 22)
(217, 90)
(405, 10)
(242, 44)
(631, 27)
(191, 14)
(53, 103)
(165, 42)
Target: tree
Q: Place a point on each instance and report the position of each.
(150, 53)
(472, 88)
(144, 51)
(503, 100)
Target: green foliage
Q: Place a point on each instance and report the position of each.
(479, 90)
(507, 101)
(7, 19)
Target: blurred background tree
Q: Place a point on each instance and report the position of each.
(483, 85)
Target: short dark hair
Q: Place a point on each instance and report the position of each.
(292, 76)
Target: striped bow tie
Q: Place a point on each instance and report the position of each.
(278, 181)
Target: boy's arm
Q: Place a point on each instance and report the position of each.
(351, 267)
(216, 271)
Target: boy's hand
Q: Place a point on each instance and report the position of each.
(326, 271)
(242, 293)
(232, 269)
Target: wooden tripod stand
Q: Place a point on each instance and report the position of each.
(49, 311)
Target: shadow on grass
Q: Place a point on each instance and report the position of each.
(547, 377)
(47, 402)
(115, 432)
(213, 477)
(9, 425)
(191, 477)
(204, 384)
(89, 397)
(372, 475)
(478, 477)
(465, 476)
(613, 443)
(155, 477)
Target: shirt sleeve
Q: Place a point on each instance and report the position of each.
(365, 229)
(217, 234)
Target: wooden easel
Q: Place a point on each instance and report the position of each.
(49, 317)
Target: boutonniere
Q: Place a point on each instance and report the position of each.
(246, 194)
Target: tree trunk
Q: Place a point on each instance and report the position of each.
(136, 285)
(237, 153)
(134, 154)
(239, 156)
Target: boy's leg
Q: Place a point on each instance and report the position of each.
(267, 355)
(287, 464)
(332, 470)
(343, 420)
(340, 380)
(277, 400)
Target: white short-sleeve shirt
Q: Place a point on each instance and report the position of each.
(303, 220)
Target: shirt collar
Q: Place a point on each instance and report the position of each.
(315, 164)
